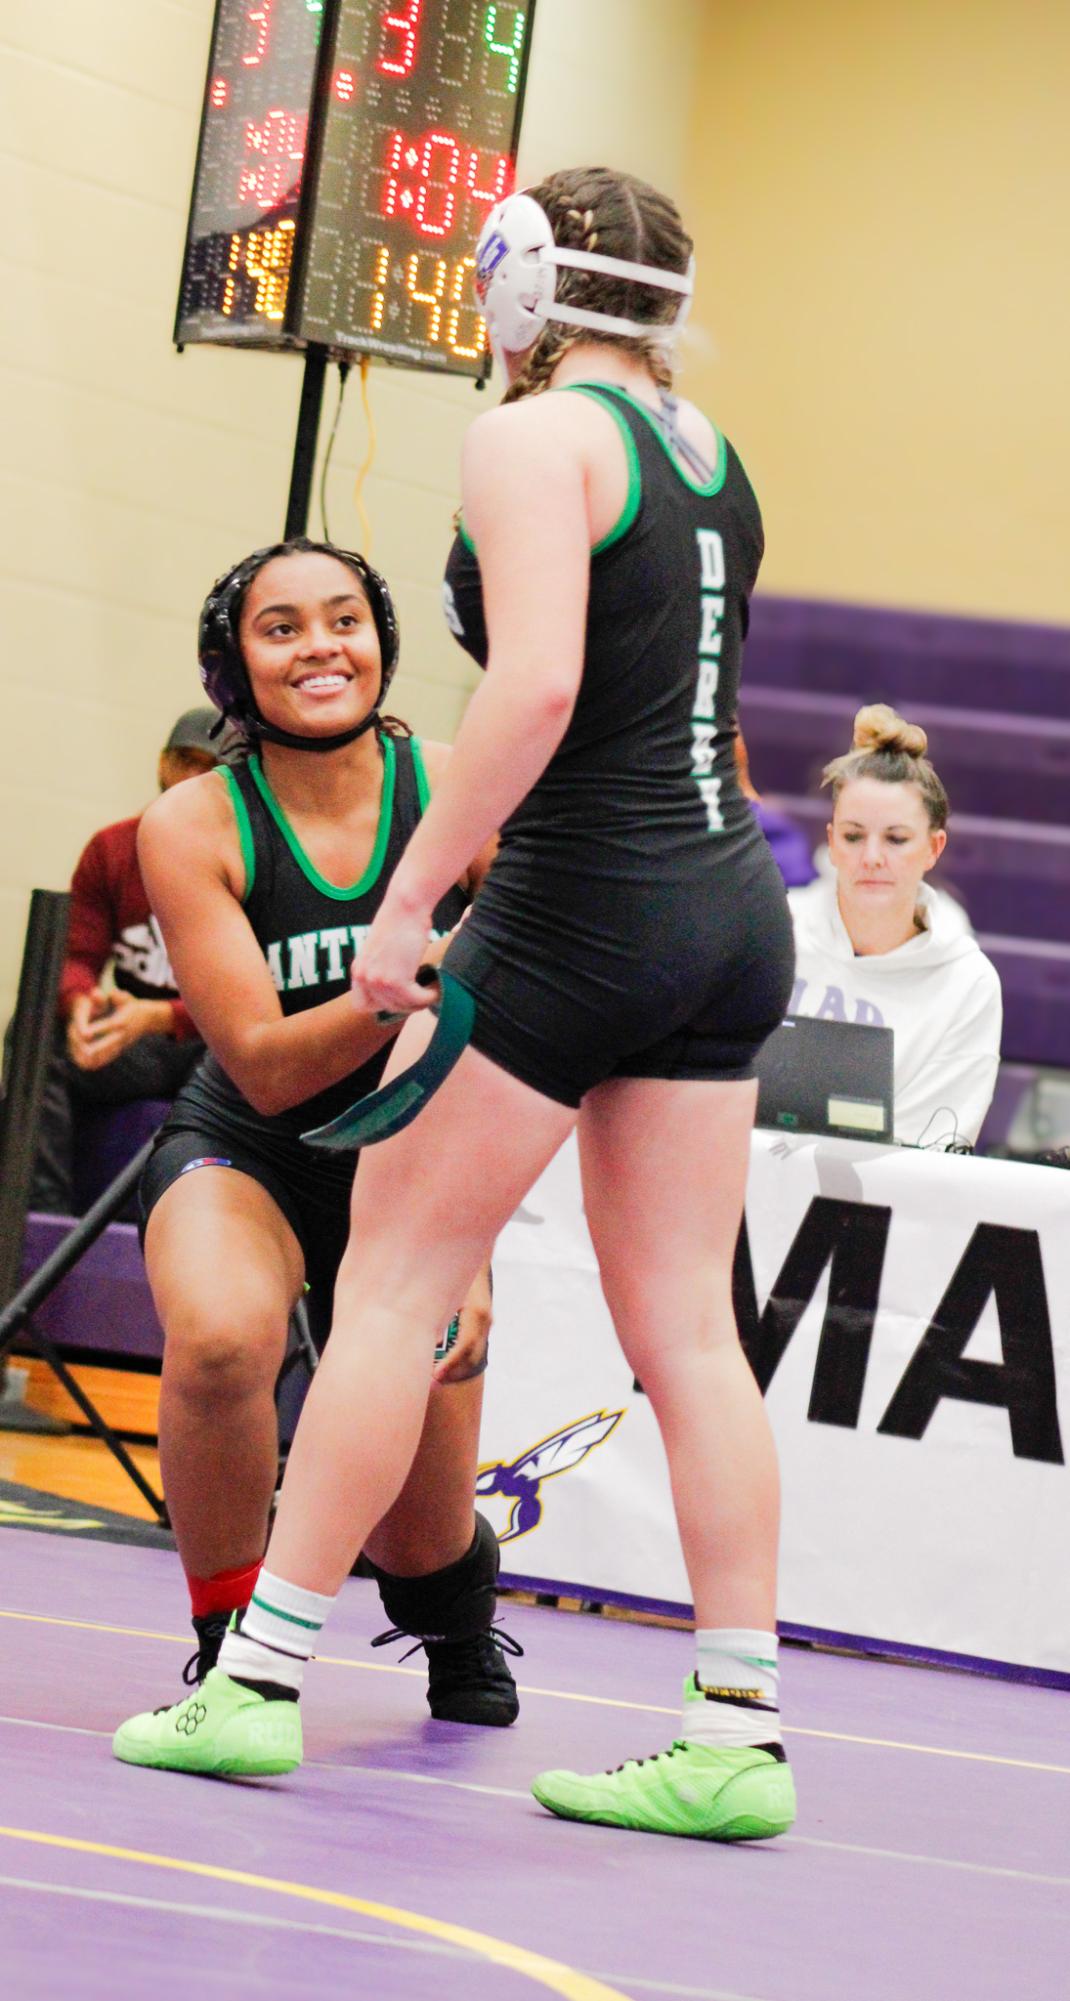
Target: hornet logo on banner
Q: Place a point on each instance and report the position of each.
(519, 1482)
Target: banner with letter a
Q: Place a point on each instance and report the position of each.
(907, 1316)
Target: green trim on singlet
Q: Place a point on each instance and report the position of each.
(634, 495)
(697, 486)
(307, 867)
(245, 832)
(423, 784)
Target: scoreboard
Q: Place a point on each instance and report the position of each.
(349, 152)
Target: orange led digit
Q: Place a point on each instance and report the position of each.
(268, 257)
(349, 153)
(433, 299)
(382, 266)
(461, 294)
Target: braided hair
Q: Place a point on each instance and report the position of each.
(595, 209)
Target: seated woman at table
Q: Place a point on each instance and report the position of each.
(874, 945)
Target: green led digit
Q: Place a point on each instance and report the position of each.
(314, 6)
(511, 50)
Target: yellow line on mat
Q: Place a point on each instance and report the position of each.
(550, 1973)
(183, 1640)
(575, 1695)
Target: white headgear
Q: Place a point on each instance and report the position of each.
(517, 262)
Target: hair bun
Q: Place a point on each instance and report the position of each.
(879, 728)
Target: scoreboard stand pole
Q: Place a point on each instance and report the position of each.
(308, 425)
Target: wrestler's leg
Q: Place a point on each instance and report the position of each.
(664, 1171)
(432, 1522)
(664, 1167)
(225, 1268)
(426, 1205)
(436, 1564)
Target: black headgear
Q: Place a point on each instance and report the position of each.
(223, 670)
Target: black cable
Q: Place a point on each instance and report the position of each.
(343, 371)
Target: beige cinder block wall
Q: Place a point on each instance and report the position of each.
(880, 190)
(129, 476)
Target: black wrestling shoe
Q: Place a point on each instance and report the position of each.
(450, 1614)
(469, 1680)
(209, 1629)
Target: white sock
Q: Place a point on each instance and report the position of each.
(278, 1632)
(736, 1671)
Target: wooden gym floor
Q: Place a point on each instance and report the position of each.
(78, 1466)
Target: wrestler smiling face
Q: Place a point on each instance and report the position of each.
(310, 645)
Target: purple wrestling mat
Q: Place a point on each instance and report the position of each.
(406, 1858)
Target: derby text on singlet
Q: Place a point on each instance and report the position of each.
(704, 713)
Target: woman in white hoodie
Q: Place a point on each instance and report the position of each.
(874, 945)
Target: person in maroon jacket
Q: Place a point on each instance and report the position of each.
(136, 1040)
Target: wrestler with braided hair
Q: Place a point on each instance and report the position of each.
(627, 955)
(607, 213)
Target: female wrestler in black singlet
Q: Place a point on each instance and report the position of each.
(629, 953)
(265, 880)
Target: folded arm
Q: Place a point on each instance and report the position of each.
(276, 1061)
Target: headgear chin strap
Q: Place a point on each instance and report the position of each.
(223, 670)
(517, 262)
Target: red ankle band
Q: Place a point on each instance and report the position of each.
(227, 1591)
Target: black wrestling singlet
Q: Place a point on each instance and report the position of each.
(310, 931)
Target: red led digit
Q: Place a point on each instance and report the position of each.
(277, 148)
(500, 176)
(399, 59)
(219, 94)
(390, 184)
(429, 198)
(259, 19)
(432, 184)
(345, 86)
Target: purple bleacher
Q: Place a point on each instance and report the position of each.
(106, 1138)
(105, 1302)
(1035, 977)
(993, 765)
(1013, 1085)
(994, 698)
(906, 657)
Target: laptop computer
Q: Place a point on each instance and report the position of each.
(827, 1077)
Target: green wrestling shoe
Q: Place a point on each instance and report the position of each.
(693, 1789)
(223, 1729)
